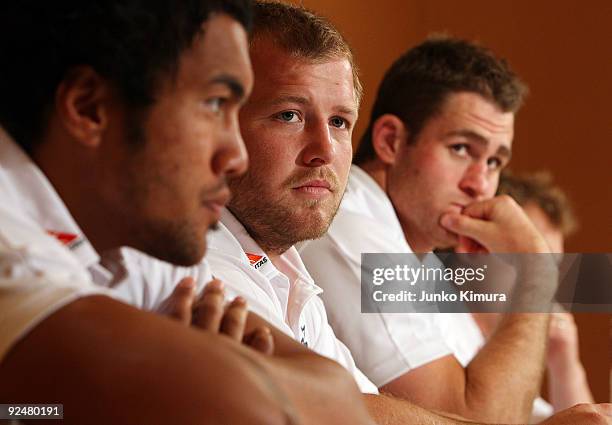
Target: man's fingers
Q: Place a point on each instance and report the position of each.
(234, 319)
(469, 227)
(180, 303)
(208, 311)
(261, 340)
(466, 245)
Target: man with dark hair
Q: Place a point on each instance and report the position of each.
(424, 177)
(125, 120)
(418, 83)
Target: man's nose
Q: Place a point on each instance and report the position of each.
(475, 182)
(319, 145)
(231, 158)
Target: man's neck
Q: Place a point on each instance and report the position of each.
(417, 242)
(74, 183)
(272, 249)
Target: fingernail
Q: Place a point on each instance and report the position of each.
(239, 300)
(214, 285)
(187, 283)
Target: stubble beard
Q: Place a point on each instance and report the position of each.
(277, 225)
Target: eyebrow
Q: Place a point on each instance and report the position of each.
(232, 82)
(479, 139)
(304, 101)
(289, 99)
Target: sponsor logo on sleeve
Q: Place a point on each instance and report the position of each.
(69, 240)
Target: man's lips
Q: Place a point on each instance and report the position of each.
(315, 187)
(217, 202)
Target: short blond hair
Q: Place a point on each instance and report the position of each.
(303, 34)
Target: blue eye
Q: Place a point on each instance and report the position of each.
(288, 116)
(338, 122)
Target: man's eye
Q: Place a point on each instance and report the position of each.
(215, 103)
(338, 122)
(460, 149)
(494, 163)
(288, 116)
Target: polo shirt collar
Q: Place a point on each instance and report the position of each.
(28, 191)
(291, 263)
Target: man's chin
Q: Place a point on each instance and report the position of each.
(312, 227)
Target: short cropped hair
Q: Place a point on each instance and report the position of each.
(303, 34)
(131, 43)
(538, 189)
(416, 86)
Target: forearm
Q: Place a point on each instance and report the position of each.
(313, 383)
(110, 363)
(567, 383)
(504, 377)
(388, 410)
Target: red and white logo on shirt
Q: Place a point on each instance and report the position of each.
(257, 260)
(69, 240)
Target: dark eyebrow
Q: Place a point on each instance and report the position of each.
(232, 82)
(481, 140)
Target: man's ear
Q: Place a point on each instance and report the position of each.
(82, 103)
(388, 133)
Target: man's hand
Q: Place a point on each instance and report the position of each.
(494, 225)
(583, 414)
(211, 313)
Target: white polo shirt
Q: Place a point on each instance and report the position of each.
(287, 296)
(45, 260)
(146, 282)
(385, 345)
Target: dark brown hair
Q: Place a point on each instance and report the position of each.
(132, 43)
(418, 83)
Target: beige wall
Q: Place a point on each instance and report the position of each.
(562, 49)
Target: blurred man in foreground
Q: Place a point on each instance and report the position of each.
(124, 116)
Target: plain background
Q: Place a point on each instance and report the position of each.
(562, 50)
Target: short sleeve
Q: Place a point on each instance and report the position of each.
(38, 276)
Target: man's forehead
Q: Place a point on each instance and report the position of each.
(221, 48)
(281, 77)
(472, 116)
(478, 110)
(274, 66)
